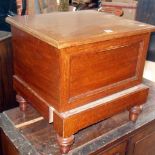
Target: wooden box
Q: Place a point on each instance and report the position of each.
(77, 68)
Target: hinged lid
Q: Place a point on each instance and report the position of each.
(65, 29)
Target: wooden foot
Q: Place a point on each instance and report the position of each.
(134, 113)
(65, 143)
(22, 102)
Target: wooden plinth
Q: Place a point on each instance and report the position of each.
(68, 123)
(22, 102)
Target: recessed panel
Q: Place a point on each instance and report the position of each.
(94, 70)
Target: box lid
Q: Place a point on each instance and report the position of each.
(65, 29)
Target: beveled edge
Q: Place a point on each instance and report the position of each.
(62, 44)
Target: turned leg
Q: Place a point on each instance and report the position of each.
(22, 102)
(65, 143)
(134, 112)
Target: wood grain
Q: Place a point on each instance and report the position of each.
(77, 28)
(7, 95)
(73, 61)
(40, 63)
(100, 112)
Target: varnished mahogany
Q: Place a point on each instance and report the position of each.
(77, 70)
(7, 95)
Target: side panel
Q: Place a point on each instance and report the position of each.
(103, 68)
(37, 65)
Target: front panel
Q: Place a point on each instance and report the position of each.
(103, 68)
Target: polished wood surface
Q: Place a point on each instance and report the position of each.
(79, 66)
(41, 65)
(22, 102)
(67, 29)
(92, 67)
(142, 143)
(7, 95)
(112, 136)
(68, 80)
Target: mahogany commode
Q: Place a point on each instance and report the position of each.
(78, 68)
